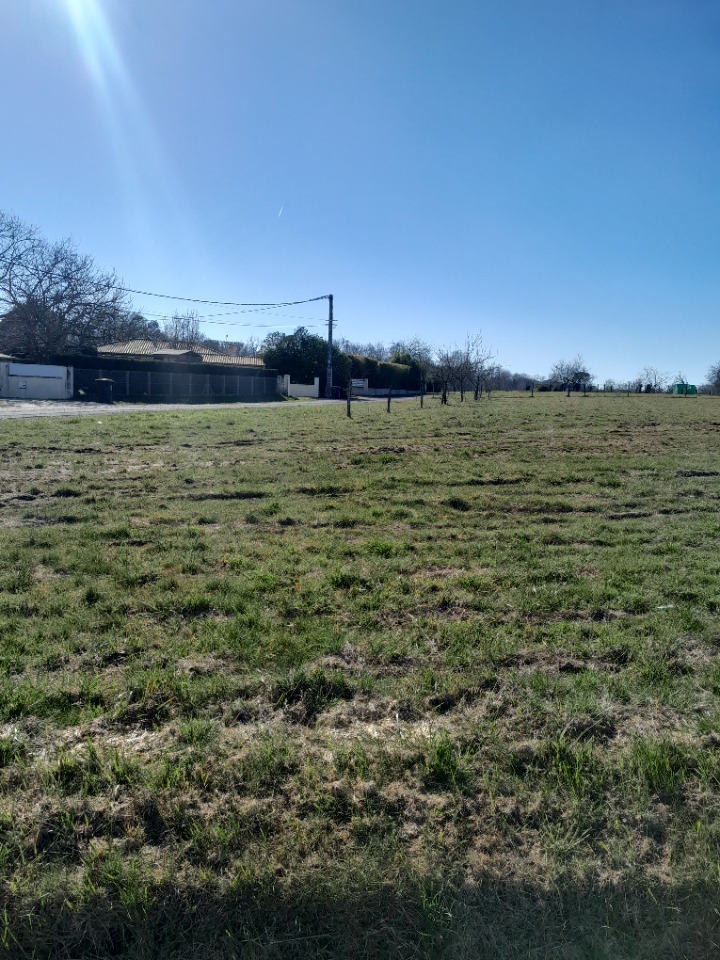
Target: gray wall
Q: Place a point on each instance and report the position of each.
(162, 386)
(35, 381)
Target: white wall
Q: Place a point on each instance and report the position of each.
(299, 389)
(35, 381)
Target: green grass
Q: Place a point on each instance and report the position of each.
(443, 682)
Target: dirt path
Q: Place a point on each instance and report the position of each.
(22, 409)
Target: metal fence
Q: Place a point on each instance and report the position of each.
(178, 387)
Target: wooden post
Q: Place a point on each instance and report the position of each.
(349, 398)
(388, 400)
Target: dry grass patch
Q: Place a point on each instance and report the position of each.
(439, 683)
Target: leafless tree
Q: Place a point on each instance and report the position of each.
(376, 351)
(630, 386)
(443, 371)
(652, 379)
(417, 354)
(53, 300)
(464, 369)
(414, 351)
(571, 374)
(681, 380)
(182, 330)
(20, 247)
(713, 376)
(479, 354)
(560, 374)
(251, 347)
(235, 348)
(491, 378)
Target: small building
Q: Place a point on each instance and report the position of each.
(164, 350)
(34, 381)
(158, 371)
(684, 390)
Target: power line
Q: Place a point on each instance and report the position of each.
(251, 308)
(221, 303)
(231, 313)
(253, 326)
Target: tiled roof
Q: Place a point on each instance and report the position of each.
(150, 348)
(172, 352)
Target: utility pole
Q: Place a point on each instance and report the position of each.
(329, 382)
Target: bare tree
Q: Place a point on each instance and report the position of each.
(230, 348)
(479, 354)
(492, 375)
(713, 376)
(415, 351)
(653, 380)
(560, 375)
(443, 371)
(464, 368)
(236, 348)
(251, 347)
(417, 354)
(20, 248)
(571, 374)
(182, 330)
(376, 351)
(681, 381)
(53, 300)
(630, 386)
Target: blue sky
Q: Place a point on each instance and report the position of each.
(546, 173)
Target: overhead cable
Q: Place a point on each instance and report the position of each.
(221, 303)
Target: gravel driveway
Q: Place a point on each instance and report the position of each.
(21, 409)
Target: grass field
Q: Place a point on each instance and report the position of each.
(438, 683)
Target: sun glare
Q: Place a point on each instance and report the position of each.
(145, 175)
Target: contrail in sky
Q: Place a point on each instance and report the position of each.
(281, 210)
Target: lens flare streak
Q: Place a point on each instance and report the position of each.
(145, 174)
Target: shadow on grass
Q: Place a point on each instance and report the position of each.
(320, 919)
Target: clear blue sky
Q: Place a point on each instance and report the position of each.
(544, 171)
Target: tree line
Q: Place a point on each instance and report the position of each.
(56, 301)
(405, 364)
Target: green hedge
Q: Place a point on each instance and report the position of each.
(380, 374)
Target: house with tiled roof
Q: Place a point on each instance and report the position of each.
(165, 350)
(160, 370)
